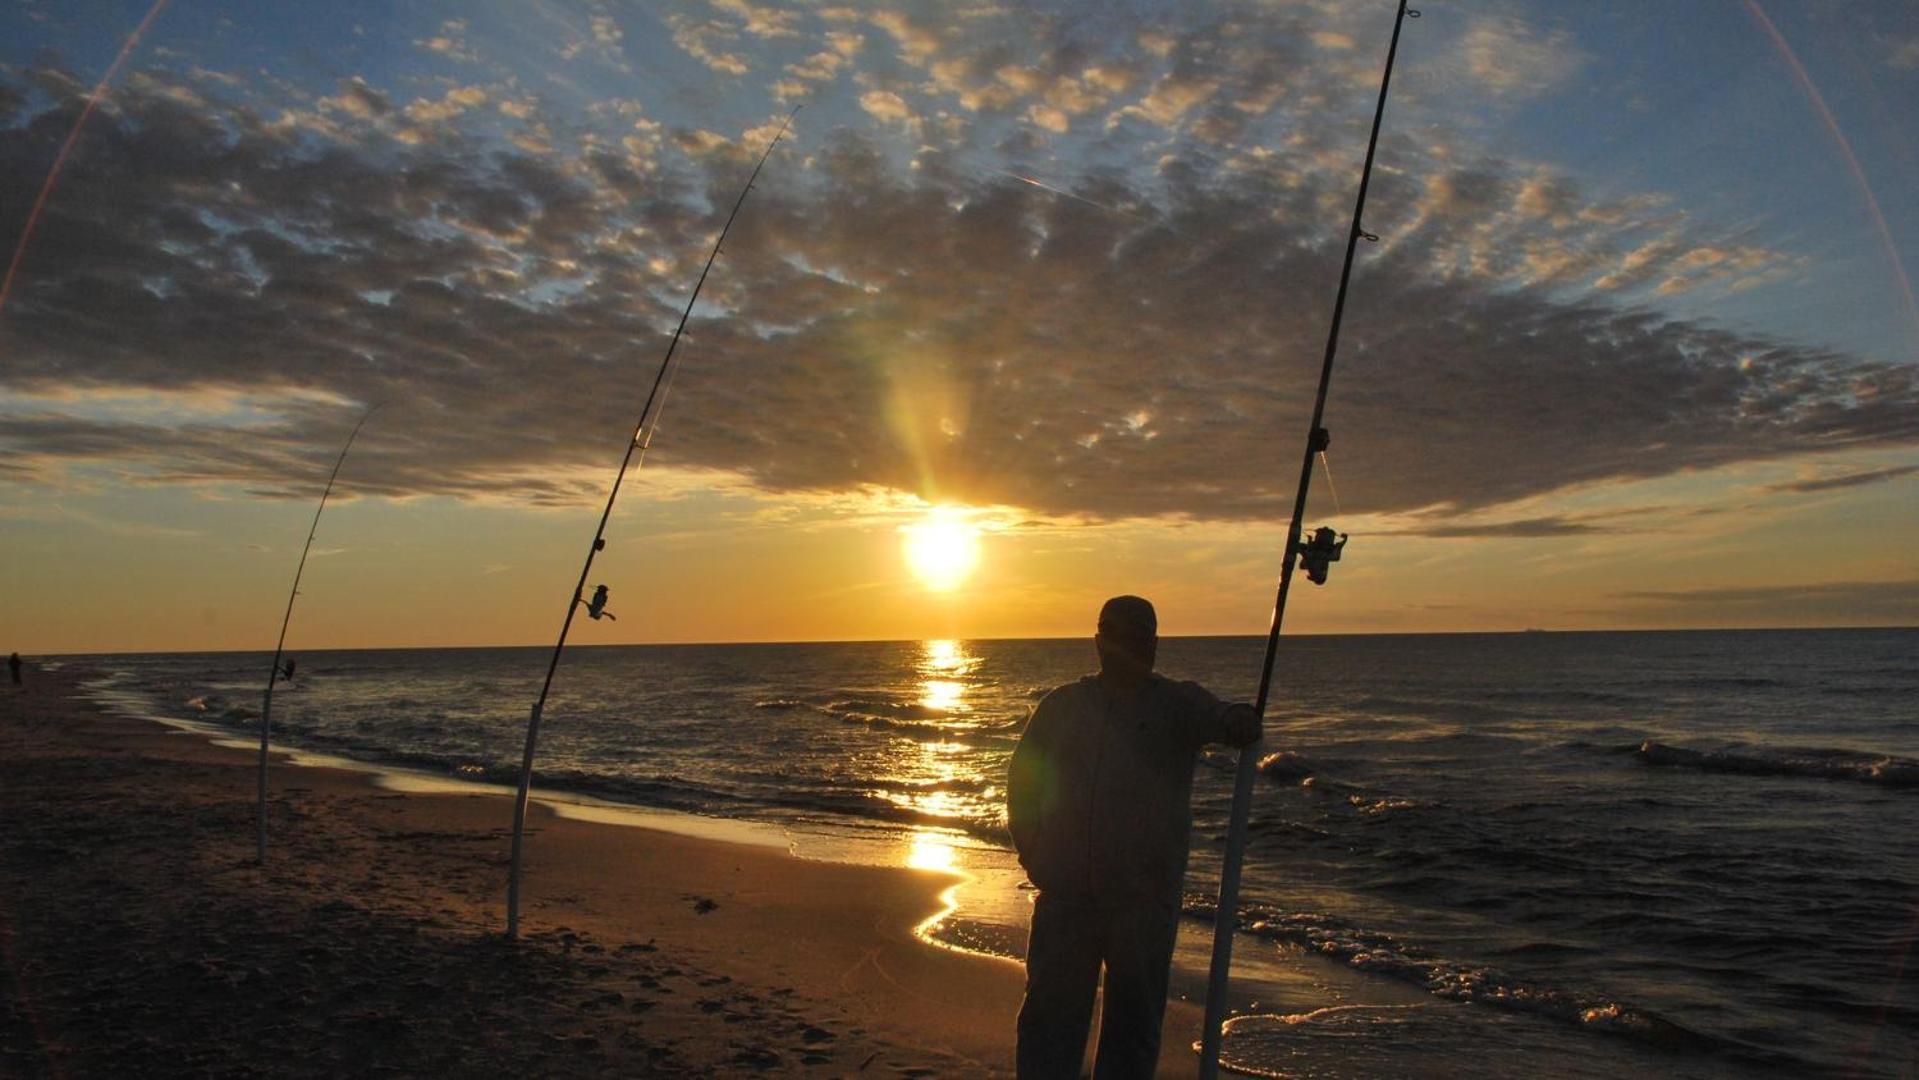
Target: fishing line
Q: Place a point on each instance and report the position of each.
(1313, 557)
(1327, 467)
(274, 672)
(638, 443)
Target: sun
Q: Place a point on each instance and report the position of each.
(942, 548)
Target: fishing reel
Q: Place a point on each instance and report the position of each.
(1319, 552)
(596, 607)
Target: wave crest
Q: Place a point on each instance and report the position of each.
(1380, 953)
(1882, 769)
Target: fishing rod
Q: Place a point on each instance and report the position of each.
(641, 440)
(274, 673)
(1313, 556)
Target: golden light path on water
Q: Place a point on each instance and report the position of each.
(941, 694)
(940, 671)
(946, 657)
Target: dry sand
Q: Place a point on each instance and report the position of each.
(138, 937)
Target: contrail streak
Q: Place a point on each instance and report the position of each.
(1043, 186)
(60, 159)
(1065, 194)
(1818, 100)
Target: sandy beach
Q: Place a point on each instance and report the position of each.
(141, 938)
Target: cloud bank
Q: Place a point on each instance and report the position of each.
(892, 313)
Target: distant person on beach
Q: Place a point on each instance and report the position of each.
(286, 674)
(1098, 800)
(13, 668)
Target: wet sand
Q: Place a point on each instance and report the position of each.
(139, 937)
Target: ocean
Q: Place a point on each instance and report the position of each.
(1583, 854)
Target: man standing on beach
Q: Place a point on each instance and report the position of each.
(1099, 803)
(13, 667)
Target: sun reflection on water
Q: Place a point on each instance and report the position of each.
(932, 851)
(946, 656)
(940, 654)
(941, 668)
(942, 694)
(936, 777)
(936, 769)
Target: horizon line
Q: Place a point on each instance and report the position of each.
(1041, 637)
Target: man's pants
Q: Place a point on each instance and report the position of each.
(1071, 938)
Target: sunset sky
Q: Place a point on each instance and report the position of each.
(1636, 347)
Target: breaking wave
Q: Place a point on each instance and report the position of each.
(1882, 769)
(1448, 980)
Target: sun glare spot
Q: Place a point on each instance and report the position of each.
(942, 694)
(942, 654)
(942, 549)
(931, 851)
(945, 658)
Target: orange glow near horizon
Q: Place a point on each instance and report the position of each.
(142, 570)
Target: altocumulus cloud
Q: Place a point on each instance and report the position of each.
(899, 320)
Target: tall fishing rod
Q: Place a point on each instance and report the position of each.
(642, 439)
(274, 673)
(1314, 556)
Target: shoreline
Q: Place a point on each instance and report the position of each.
(983, 912)
(722, 956)
(416, 780)
(989, 886)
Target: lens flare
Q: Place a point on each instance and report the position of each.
(60, 159)
(1851, 160)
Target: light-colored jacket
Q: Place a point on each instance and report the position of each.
(1099, 794)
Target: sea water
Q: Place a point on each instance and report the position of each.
(1689, 854)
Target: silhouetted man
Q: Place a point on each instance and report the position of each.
(13, 667)
(1098, 800)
